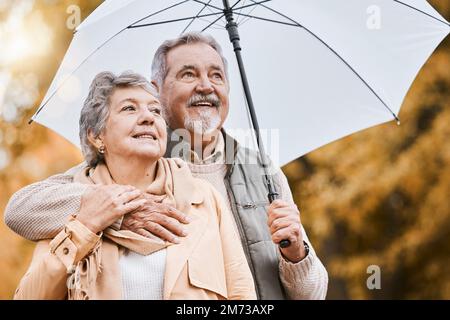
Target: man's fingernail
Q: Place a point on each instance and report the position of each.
(187, 219)
(175, 240)
(184, 232)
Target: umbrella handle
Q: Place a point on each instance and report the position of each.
(285, 242)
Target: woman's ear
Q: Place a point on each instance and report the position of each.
(95, 141)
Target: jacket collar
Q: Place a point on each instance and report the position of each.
(179, 254)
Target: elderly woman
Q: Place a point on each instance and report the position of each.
(123, 138)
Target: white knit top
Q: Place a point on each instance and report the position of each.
(143, 276)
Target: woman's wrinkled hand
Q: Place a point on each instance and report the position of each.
(102, 205)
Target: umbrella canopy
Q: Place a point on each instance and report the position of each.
(318, 69)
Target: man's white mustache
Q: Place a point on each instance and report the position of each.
(212, 99)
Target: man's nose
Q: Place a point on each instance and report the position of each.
(204, 86)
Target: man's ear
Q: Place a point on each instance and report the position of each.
(95, 141)
(155, 84)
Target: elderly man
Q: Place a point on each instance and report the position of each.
(190, 74)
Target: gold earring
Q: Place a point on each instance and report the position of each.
(101, 149)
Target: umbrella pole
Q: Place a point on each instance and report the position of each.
(233, 32)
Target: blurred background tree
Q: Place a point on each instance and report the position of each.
(379, 197)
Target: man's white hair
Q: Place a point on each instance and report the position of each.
(159, 66)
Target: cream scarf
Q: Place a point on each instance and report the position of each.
(172, 180)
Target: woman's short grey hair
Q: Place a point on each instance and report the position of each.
(159, 67)
(96, 110)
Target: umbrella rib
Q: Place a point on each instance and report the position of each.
(234, 5)
(268, 20)
(158, 12)
(238, 8)
(245, 19)
(218, 26)
(115, 35)
(209, 5)
(173, 20)
(254, 4)
(427, 14)
(339, 56)
(212, 23)
(201, 10)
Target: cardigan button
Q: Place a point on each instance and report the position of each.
(249, 205)
(66, 251)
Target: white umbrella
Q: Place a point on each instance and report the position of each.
(318, 69)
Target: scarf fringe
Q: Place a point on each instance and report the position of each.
(84, 274)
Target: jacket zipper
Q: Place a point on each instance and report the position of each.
(241, 231)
